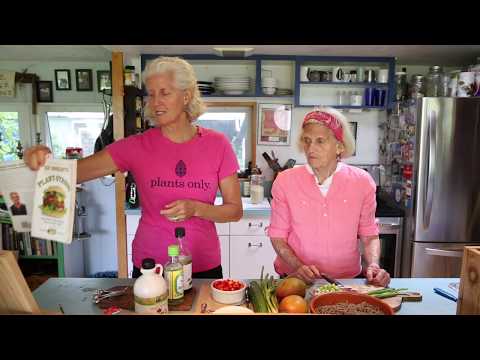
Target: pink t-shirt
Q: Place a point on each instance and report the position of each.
(165, 171)
(323, 230)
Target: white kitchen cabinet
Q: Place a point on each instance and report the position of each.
(250, 226)
(129, 254)
(132, 224)
(251, 248)
(244, 245)
(222, 228)
(248, 254)
(225, 253)
(130, 265)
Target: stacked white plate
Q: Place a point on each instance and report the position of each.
(269, 85)
(284, 92)
(233, 85)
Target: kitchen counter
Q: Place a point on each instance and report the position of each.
(75, 294)
(385, 207)
(249, 209)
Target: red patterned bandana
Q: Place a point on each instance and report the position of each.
(326, 119)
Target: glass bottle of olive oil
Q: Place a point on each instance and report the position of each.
(185, 259)
(174, 276)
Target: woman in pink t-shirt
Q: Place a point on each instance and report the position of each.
(178, 168)
(319, 210)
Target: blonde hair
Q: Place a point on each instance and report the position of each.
(185, 79)
(348, 140)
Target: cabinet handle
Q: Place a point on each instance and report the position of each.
(254, 245)
(253, 225)
(445, 252)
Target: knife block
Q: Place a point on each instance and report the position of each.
(469, 292)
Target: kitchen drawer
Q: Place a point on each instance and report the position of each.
(248, 254)
(223, 228)
(132, 224)
(250, 226)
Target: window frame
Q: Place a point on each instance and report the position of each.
(43, 109)
(26, 130)
(253, 118)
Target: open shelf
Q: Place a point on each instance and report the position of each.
(346, 106)
(367, 84)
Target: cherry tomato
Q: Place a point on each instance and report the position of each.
(228, 285)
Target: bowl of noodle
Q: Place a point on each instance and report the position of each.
(347, 303)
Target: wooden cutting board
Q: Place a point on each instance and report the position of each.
(205, 297)
(125, 301)
(394, 302)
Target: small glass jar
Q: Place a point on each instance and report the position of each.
(417, 86)
(401, 85)
(129, 75)
(434, 82)
(342, 98)
(257, 189)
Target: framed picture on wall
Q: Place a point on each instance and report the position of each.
(104, 82)
(274, 124)
(84, 79)
(45, 91)
(62, 79)
(353, 128)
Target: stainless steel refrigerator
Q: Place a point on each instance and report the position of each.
(445, 215)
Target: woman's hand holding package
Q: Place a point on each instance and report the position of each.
(36, 156)
(180, 210)
(377, 276)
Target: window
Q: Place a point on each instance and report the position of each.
(234, 122)
(9, 135)
(73, 129)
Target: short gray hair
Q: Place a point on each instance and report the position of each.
(185, 79)
(348, 140)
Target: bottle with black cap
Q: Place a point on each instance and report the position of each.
(150, 289)
(185, 259)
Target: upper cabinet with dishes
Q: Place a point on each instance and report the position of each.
(345, 82)
(253, 76)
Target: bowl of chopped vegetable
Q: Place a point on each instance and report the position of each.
(348, 303)
(228, 291)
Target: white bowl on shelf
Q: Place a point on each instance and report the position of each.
(233, 92)
(235, 297)
(269, 90)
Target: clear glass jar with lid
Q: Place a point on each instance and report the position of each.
(129, 75)
(434, 84)
(401, 85)
(257, 189)
(417, 86)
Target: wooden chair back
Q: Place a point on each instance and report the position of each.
(15, 295)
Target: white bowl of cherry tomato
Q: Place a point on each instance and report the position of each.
(228, 291)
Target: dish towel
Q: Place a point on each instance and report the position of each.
(7, 83)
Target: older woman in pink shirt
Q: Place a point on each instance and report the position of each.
(322, 209)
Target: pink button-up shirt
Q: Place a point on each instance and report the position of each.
(323, 230)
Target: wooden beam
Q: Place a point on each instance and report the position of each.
(253, 124)
(118, 133)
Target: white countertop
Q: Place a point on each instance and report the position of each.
(247, 204)
(257, 209)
